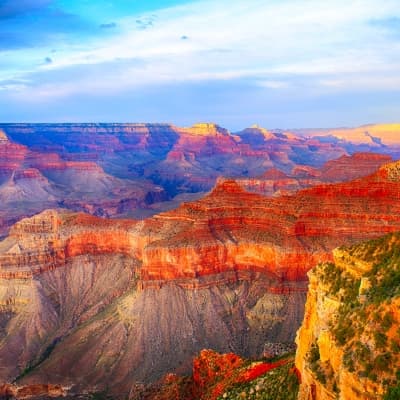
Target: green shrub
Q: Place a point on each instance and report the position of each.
(393, 393)
(313, 355)
(380, 340)
(387, 321)
(383, 362)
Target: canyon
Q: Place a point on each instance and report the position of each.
(232, 262)
(128, 249)
(138, 170)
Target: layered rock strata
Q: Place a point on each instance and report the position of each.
(274, 182)
(92, 302)
(125, 170)
(349, 342)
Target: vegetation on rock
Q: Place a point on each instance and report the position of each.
(364, 283)
(228, 376)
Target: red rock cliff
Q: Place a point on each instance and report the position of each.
(230, 230)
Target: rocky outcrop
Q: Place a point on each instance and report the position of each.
(346, 168)
(221, 376)
(348, 344)
(206, 129)
(8, 391)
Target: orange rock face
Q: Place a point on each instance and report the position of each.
(8, 391)
(344, 352)
(210, 368)
(229, 230)
(213, 374)
(283, 236)
(274, 182)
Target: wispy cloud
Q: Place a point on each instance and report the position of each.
(274, 84)
(279, 38)
(108, 25)
(277, 46)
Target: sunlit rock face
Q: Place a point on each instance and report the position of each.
(377, 135)
(348, 343)
(93, 302)
(39, 391)
(275, 182)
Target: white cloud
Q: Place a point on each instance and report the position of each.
(274, 84)
(267, 41)
(364, 82)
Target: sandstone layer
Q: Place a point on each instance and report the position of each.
(275, 182)
(349, 342)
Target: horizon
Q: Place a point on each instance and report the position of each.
(234, 130)
(281, 63)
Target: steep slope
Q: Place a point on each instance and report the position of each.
(345, 168)
(92, 302)
(59, 309)
(26, 186)
(349, 342)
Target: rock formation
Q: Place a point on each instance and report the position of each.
(351, 167)
(227, 376)
(349, 342)
(41, 391)
(345, 168)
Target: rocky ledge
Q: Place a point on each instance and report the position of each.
(349, 342)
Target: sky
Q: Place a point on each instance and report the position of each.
(277, 63)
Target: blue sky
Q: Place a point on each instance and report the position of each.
(278, 63)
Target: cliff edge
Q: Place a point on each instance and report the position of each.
(349, 342)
